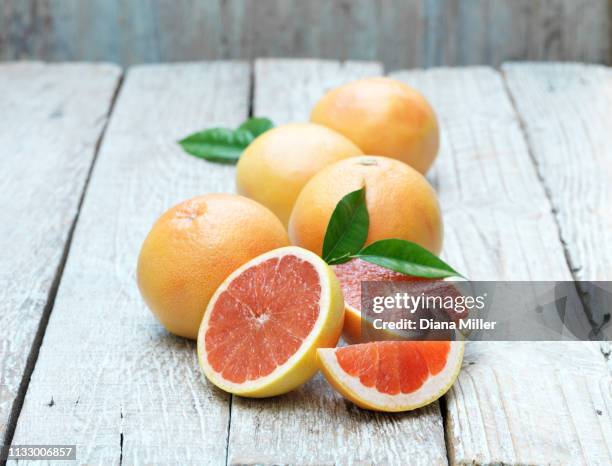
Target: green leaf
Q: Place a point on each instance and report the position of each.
(217, 144)
(223, 144)
(257, 126)
(347, 230)
(407, 258)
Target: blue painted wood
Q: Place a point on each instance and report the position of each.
(400, 33)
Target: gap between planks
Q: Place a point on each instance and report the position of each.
(40, 333)
(55, 108)
(513, 74)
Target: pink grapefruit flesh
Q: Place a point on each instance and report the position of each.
(393, 375)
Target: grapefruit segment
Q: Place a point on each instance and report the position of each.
(351, 274)
(263, 325)
(393, 375)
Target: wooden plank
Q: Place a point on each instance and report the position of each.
(286, 90)
(566, 112)
(401, 33)
(109, 378)
(314, 425)
(52, 117)
(514, 402)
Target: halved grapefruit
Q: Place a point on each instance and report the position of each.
(393, 375)
(351, 274)
(264, 324)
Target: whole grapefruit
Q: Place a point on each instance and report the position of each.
(275, 167)
(193, 247)
(383, 116)
(400, 201)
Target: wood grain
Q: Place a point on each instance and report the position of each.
(52, 117)
(286, 90)
(566, 112)
(565, 109)
(109, 378)
(314, 425)
(401, 33)
(514, 403)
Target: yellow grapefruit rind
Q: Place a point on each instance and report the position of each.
(193, 246)
(352, 325)
(303, 364)
(369, 398)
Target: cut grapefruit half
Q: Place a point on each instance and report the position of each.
(351, 274)
(264, 324)
(393, 375)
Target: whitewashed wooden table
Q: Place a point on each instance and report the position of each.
(88, 160)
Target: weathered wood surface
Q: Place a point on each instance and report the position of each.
(108, 377)
(401, 33)
(51, 117)
(314, 425)
(286, 90)
(131, 393)
(514, 403)
(565, 109)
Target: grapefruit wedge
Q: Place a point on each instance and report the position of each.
(351, 274)
(393, 375)
(264, 324)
